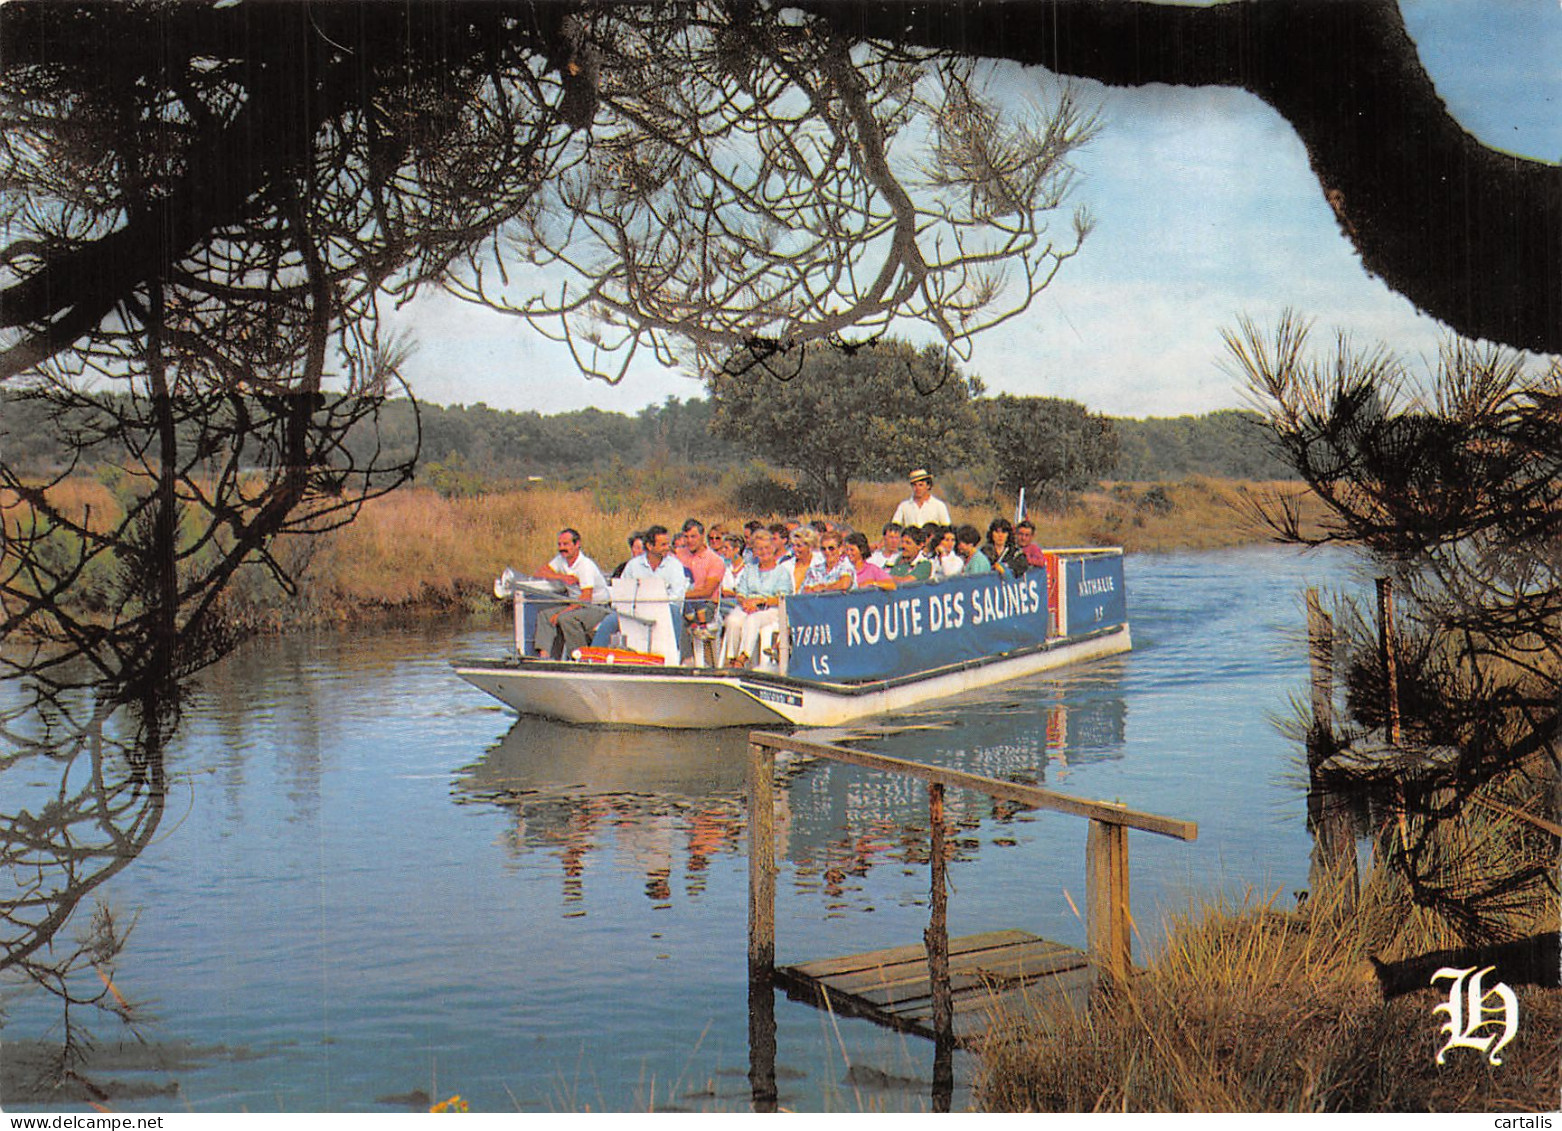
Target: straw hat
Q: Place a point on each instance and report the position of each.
(920, 474)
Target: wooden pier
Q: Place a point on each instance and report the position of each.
(945, 989)
(1000, 973)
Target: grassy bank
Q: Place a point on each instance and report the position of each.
(417, 549)
(1254, 1008)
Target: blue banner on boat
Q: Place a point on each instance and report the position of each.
(869, 633)
(1093, 593)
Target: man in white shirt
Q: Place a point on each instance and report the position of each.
(659, 561)
(888, 552)
(571, 622)
(922, 508)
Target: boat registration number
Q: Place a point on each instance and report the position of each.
(772, 695)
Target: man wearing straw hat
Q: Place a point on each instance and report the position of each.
(922, 508)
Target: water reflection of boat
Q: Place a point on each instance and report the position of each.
(666, 802)
(541, 758)
(841, 656)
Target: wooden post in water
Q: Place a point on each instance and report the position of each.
(762, 927)
(1108, 921)
(936, 941)
(1334, 845)
(1388, 649)
(1320, 654)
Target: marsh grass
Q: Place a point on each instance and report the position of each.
(418, 547)
(1248, 1007)
(420, 550)
(1191, 514)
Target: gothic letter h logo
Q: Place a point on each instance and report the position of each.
(1467, 1013)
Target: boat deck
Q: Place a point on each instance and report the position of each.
(1000, 973)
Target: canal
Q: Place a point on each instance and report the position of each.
(371, 887)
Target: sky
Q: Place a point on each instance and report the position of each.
(1205, 212)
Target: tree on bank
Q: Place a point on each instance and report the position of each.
(876, 411)
(693, 177)
(1048, 447)
(1227, 443)
(1452, 482)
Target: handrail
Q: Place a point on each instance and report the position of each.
(1108, 917)
(1105, 811)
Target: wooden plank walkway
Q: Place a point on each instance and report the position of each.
(1008, 971)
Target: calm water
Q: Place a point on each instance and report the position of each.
(371, 879)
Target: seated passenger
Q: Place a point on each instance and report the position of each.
(832, 571)
(759, 593)
(636, 548)
(888, 552)
(734, 552)
(783, 537)
(805, 551)
(913, 565)
(658, 562)
(946, 563)
(968, 541)
(868, 574)
(749, 527)
(1005, 556)
(1025, 540)
(706, 567)
(572, 621)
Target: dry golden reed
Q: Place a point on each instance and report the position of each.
(417, 549)
(1251, 1008)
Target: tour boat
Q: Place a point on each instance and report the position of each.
(836, 657)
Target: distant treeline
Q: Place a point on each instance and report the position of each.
(481, 441)
(1230, 444)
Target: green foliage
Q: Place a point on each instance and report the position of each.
(452, 478)
(632, 493)
(505, 447)
(680, 431)
(501, 447)
(875, 411)
(1156, 501)
(758, 492)
(1229, 444)
(1047, 447)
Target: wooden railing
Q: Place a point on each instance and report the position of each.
(1109, 921)
(1108, 918)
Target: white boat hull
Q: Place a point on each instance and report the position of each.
(703, 698)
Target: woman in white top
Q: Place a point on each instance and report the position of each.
(731, 550)
(833, 570)
(805, 552)
(946, 563)
(760, 589)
